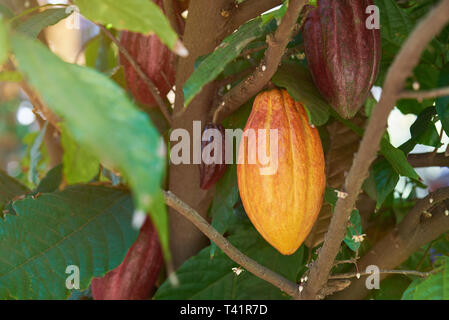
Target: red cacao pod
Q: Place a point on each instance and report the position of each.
(135, 277)
(156, 60)
(283, 205)
(343, 54)
(210, 173)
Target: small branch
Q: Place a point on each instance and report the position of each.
(267, 68)
(151, 86)
(403, 272)
(414, 231)
(232, 252)
(421, 95)
(397, 75)
(424, 160)
(249, 10)
(426, 204)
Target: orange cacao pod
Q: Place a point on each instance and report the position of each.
(135, 277)
(156, 60)
(284, 204)
(342, 52)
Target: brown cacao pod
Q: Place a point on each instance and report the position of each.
(343, 54)
(210, 173)
(284, 204)
(135, 277)
(156, 60)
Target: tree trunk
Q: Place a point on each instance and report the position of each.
(203, 33)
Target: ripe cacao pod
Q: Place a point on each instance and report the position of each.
(343, 54)
(284, 204)
(156, 60)
(135, 277)
(210, 173)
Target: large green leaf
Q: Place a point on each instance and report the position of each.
(422, 131)
(385, 178)
(396, 24)
(100, 117)
(80, 165)
(435, 287)
(442, 104)
(298, 82)
(39, 21)
(9, 189)
(214, 64)
(84, 226)
(204, 278)
(142, 16)
(398, 160)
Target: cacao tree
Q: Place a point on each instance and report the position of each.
(226, 149)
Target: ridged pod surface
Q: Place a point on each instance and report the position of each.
(135, 277)
(342, 53)
(156, 60)
(284, 205)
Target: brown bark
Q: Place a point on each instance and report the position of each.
(203, 33)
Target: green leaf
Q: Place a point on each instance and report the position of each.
(9, 189)
(396, 24)
(331, 198)
(36, 156)
(392, 288)
(226, 196)
(204, 278)
(80, 165)
(51, 181)
(212, 65)
(41, 20)
(298, 82)
(4, 44)
(386, 179)
(84, 226)
(423, 131)
(100, 54)
(442, 104)
(435, 287)
(398, 160)
(354, 229)
(10, 76)
(134, 15)
(100, 117)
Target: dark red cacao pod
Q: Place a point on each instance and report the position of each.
(156, 60)
(342, 53)
(135, 277)
(211, 173)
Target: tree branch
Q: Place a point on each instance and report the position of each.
(424, 160)
(361, 274)
(412, 233)
(232, 252)
(249, 10)
(268, 66)
(401, 68)
(150, 84)
(421, 95)
(171, 15)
